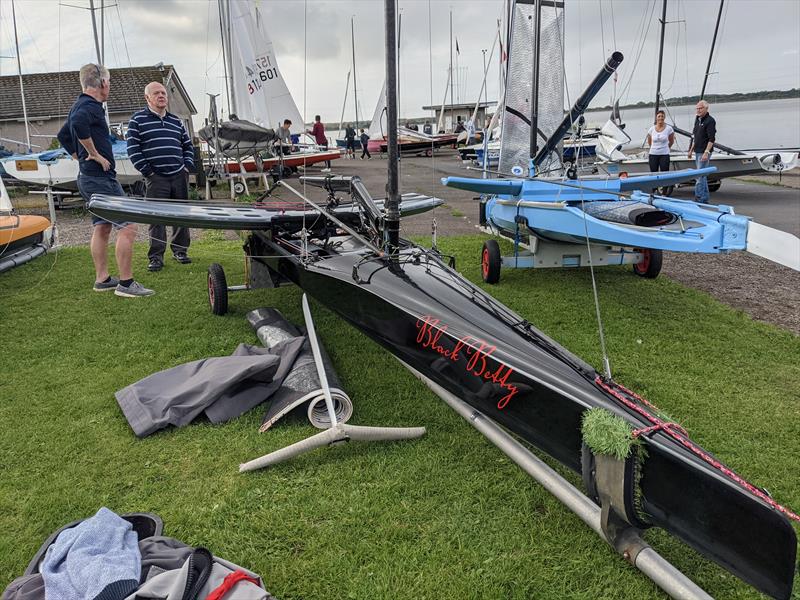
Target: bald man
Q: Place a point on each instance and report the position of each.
(703, 138)
(161, 150)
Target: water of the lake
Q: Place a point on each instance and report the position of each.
(743, 125)
(758, 124)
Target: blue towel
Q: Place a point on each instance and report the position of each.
(98, 559)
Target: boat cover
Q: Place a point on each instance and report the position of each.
(223, 387)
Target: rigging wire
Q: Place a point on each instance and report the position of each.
(602, 30)
(648, 20)
(721, 37)
(122, 30)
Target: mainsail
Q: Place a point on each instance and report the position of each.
(515, 147)
(259, 92)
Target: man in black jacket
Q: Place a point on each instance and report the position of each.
(85, 136)
(703, 138)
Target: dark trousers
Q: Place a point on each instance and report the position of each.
(324, 147)
(364, 151)
(658, 162)
(174, 187)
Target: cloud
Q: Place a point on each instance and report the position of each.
(313, 46)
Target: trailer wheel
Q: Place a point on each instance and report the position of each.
(490, 261)
(667, 190)
(429, 152)
(217, 289)
(287, 172)
(238, 188)
(650, 265)
(713, 186)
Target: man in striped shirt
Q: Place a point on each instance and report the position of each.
(161, 150)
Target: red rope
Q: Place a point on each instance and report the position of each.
(664, 426)
(683, 439)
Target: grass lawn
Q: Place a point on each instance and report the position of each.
(447, 516)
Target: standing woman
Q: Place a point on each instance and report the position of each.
(660, 138)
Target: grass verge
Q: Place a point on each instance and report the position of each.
(447, 516)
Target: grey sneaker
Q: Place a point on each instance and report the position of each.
(106, 286)
(134, 290)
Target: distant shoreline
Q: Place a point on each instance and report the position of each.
(712, 99)
(677, 101)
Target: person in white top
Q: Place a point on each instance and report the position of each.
(660, 138)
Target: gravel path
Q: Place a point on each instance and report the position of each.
(766, 291)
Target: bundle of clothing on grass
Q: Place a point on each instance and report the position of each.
(112, 557)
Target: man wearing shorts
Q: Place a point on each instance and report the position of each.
(85, 136)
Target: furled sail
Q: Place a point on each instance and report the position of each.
(260, 94)
(515, 146)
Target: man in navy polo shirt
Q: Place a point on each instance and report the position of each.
(161, 150)
(85, 136)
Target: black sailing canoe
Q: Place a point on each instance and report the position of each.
(432, 318)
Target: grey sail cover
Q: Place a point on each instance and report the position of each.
(515, 144)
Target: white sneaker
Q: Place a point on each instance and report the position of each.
(326, 170)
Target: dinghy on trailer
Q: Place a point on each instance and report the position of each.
(589, 221)
(22, 237)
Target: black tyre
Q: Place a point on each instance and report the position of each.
(650, 265)
(491, 261)
(238, 188)
(287, 172)
(667, 190)
(713, 186)
(217, 289)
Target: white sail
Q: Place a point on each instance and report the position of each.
(375, 130)
(260, 94)
(515, 147)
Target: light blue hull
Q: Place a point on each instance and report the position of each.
(573, 211)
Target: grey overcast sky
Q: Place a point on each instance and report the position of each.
(758, 46)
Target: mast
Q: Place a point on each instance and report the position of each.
(535, 82)
(94, 30)
(355, 87)
(392, 229)
(102, 32)
(21, 85)
(227, 64)
(661, 53)
(344, 102)
(711, 52)
(452, 109)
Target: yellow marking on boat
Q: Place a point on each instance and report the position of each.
(27, 165)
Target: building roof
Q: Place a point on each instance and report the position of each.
(461, 106)
(52, 94)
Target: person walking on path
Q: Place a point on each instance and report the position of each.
(350, 141)
(364, 141)
(660, 138)
(85, 136)
(318, 131)
(160, 149)
(703, 137)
